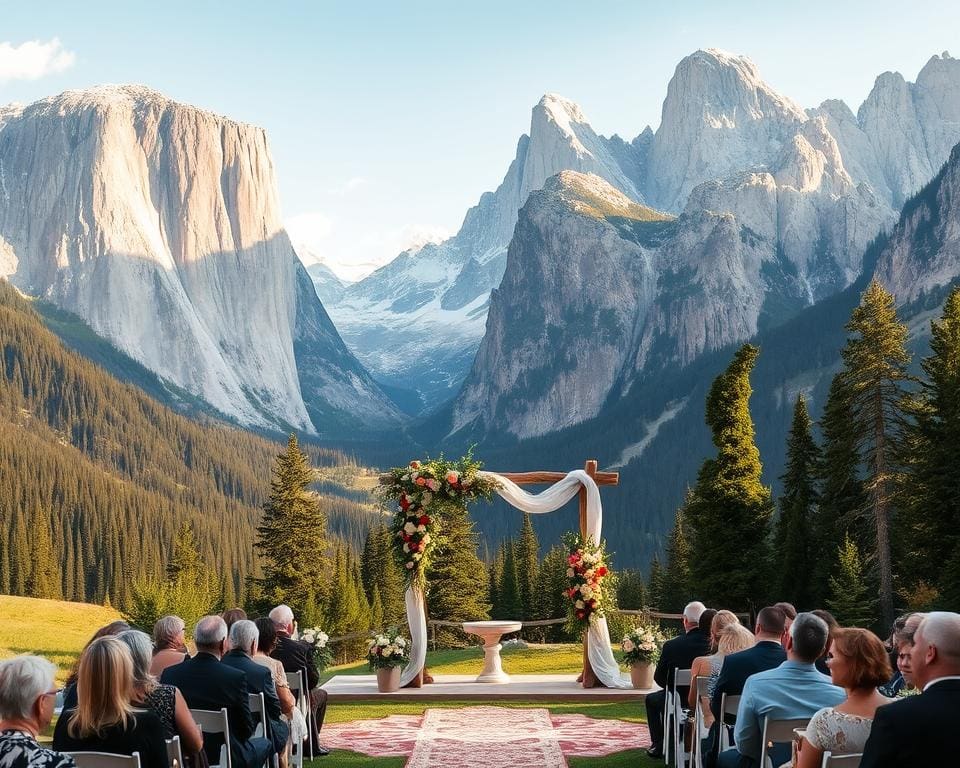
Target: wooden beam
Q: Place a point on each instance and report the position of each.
(533, 478)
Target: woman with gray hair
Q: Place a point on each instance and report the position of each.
(27, 698)
(165, 701)
(169, 644)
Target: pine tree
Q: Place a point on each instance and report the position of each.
(849, 599)
(656, 588)
(185, 561)
(495, 581)
(631, 591)
(20, 563)
(458, 579)
(376, 611)
(527, 552)
(797, 506)
(729, 511)
(511, 605)
(677, 585)
(933, 488)
(44, 580)
(551, 581)
(875, 371)
(292, 537)
(389, 580)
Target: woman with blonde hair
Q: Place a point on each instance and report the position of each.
(731, 637)
(104, 719)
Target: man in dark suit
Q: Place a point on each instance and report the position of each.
(298, 656)
(243, 646)
(206, 683)
(767, 654)
(677, 653)
(921, 730)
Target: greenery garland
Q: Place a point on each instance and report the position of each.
(422, 491)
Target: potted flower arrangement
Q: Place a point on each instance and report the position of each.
(319, 641)
(641, 651)
(387, 652)
(589, 582)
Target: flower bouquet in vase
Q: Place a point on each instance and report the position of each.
(641, 651)
(319, 640)
(387, 653)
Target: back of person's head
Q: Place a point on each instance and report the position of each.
(706, 620)
(267, 635)
(692, 611)
(867, 664)
(735, 638)
(210, 633)
(23, 680)
(112, 629)
(939, 630)
(232, 616)
(141, 653)
(808, 635)
(104, 688)
(721, 620)
(244, 636)
(771, 621)
(788, 610)
(282, 616)
(168, 633)
(909, 629)
(832, 624)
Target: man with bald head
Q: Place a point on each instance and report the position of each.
(921, 730)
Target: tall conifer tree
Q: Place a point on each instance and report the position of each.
(849, 599)
(292, 537)
(875, 370)
(44, 581)
(527, 552)
(729, 511)
(677, 584)
(797, 507)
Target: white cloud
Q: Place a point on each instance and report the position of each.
(33, 59)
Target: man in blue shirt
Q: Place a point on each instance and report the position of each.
(791, 691)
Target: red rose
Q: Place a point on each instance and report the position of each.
(424, 520)
(581, 614)
(420, 481)
(414, 465)
(601, 571)
(404, 504)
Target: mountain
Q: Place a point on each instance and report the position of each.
(418, 320)
(815, 185)
(159, 225)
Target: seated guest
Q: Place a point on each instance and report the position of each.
(858, 664)
(298, 656)
(169, 644)
(833, 625)
(232, 616)
(920, 730)
(165, 701)
(27, 699)
(791, 691)
(110, 630)
(704, 666)
(266, 642)
(244, 637)
(791, 614)
(208, 684)
(905, 642)
(677, 653)
(733, 639)
(104, 720)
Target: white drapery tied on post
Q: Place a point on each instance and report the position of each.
(549, 500)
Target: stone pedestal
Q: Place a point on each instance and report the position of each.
(491, 632)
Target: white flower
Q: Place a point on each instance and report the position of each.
(382, 641)
(586, 592)
(406, 547)
(569, 573)
(401, 642)
(578, 604)
(421, 529)
(409, 528)
(628, 645)
(389, 650)
(426, 538)
(409, 566)
(417, 555)
(405, 479)
(414, 475)
(588, 574)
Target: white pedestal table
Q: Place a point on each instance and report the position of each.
(491, 632)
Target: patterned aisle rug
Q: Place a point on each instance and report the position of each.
(486, 736)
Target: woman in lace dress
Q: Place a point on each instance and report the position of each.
(858, 663)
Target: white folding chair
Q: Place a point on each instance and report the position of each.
(295, 681)
(681, 678)
(215, 721)
(700, 731)
(174, 753)
(841, 761)
(778, 732)
(729, 704)
(105, 760)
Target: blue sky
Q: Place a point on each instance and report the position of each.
(388, 120)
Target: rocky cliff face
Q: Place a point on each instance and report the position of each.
(159, 225)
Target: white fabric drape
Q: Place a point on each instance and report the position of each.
(549, 500)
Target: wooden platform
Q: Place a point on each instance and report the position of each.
(465, 688)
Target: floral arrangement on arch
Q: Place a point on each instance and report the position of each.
(420, 491)
(642, 645)
(387, 650)
(590, 590)
(319, 640)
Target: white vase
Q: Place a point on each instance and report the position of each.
(388, 680)
(641, 675)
